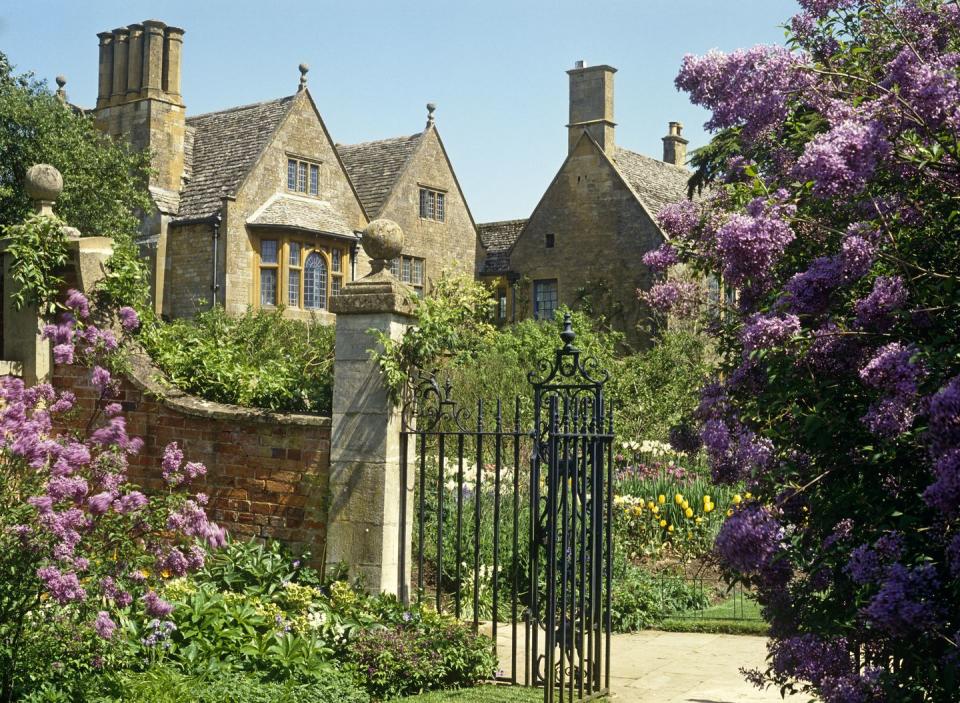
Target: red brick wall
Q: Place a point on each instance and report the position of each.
(267, 474)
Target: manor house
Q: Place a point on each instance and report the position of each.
(257, 206)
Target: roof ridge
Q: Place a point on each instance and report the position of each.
(241, 107)
(380, 141)
(502, 222)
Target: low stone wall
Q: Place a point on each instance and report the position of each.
(267, 473)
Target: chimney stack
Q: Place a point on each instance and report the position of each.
(139, 95)
(591, 105)
(675, 146)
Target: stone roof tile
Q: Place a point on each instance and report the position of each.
(656, 182)
(374, 167)
(497, 239)
(224, 148)
(297, 212)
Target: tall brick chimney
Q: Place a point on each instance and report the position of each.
(591, 105)
(139, 95)
(675, 146)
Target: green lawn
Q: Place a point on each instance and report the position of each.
(736, 616)
(482, 694)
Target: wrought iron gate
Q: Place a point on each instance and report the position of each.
(512, 509)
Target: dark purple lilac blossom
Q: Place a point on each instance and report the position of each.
(906, 601)
(749, 543)
(875, 311)
(764, 331)
(749, 247)
(104, 625)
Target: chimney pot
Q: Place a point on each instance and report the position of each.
(579, 64)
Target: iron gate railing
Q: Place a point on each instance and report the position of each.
(511, 520)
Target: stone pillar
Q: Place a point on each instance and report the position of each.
(364, 520)
(24, 351)
(151, 85)
(105, 84)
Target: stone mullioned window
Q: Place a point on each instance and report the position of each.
(300, 274)
(303, 177)
(432, 205)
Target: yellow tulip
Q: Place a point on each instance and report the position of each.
(663, 523)
(708, 507)
(706, 499)
(661, 499)
(655, 510)
(651, 505)
(688, 512)
(678, 499)
(670, 528)
(737, 499)
(698, 520)
(730, 512)
(685, 505)
(748, 495)
(637, 510)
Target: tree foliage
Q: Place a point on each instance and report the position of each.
(835, 199)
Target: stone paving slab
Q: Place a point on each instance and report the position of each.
(677, 667)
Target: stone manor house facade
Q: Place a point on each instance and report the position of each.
(257, 206)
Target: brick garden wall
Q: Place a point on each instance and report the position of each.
(267, 473)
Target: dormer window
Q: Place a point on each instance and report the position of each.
(303, 177)
(432, 204)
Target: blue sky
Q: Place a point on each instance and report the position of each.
(496, 69)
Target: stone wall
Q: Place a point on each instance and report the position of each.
(451, 244)
(267, 473)
(188, 271)
(600, 232)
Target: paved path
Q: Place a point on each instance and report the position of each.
(676, 667)
(687, 667)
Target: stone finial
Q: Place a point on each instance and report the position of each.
(43, 184)
(382, 240)
(431, 108)
(303, 76)
(61, 93)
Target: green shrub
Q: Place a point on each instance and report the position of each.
(165, 685)
(258, 359)
(641, 599)
(427, 652)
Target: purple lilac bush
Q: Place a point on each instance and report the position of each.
(81, 548)
(833, 209)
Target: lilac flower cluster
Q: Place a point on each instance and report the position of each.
(874, 312)
(661, 258)
(767, 331)
(736, 452)
(679, 220)
(671, 297)
(750, 542)
(175, 472)
(811, 657)
(842, 161)
(928, 84)
(749, 87)
(821, 8)
(749, 247)
(894, 371)
(906, 600)
(944, 437)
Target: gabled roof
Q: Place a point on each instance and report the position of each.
(297, 212)
(497, 239)
(374, 167)
(656, 183)
(224, 148)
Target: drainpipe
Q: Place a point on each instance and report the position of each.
(214, 285)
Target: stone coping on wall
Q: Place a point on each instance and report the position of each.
(147, 377)
(11, 368)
